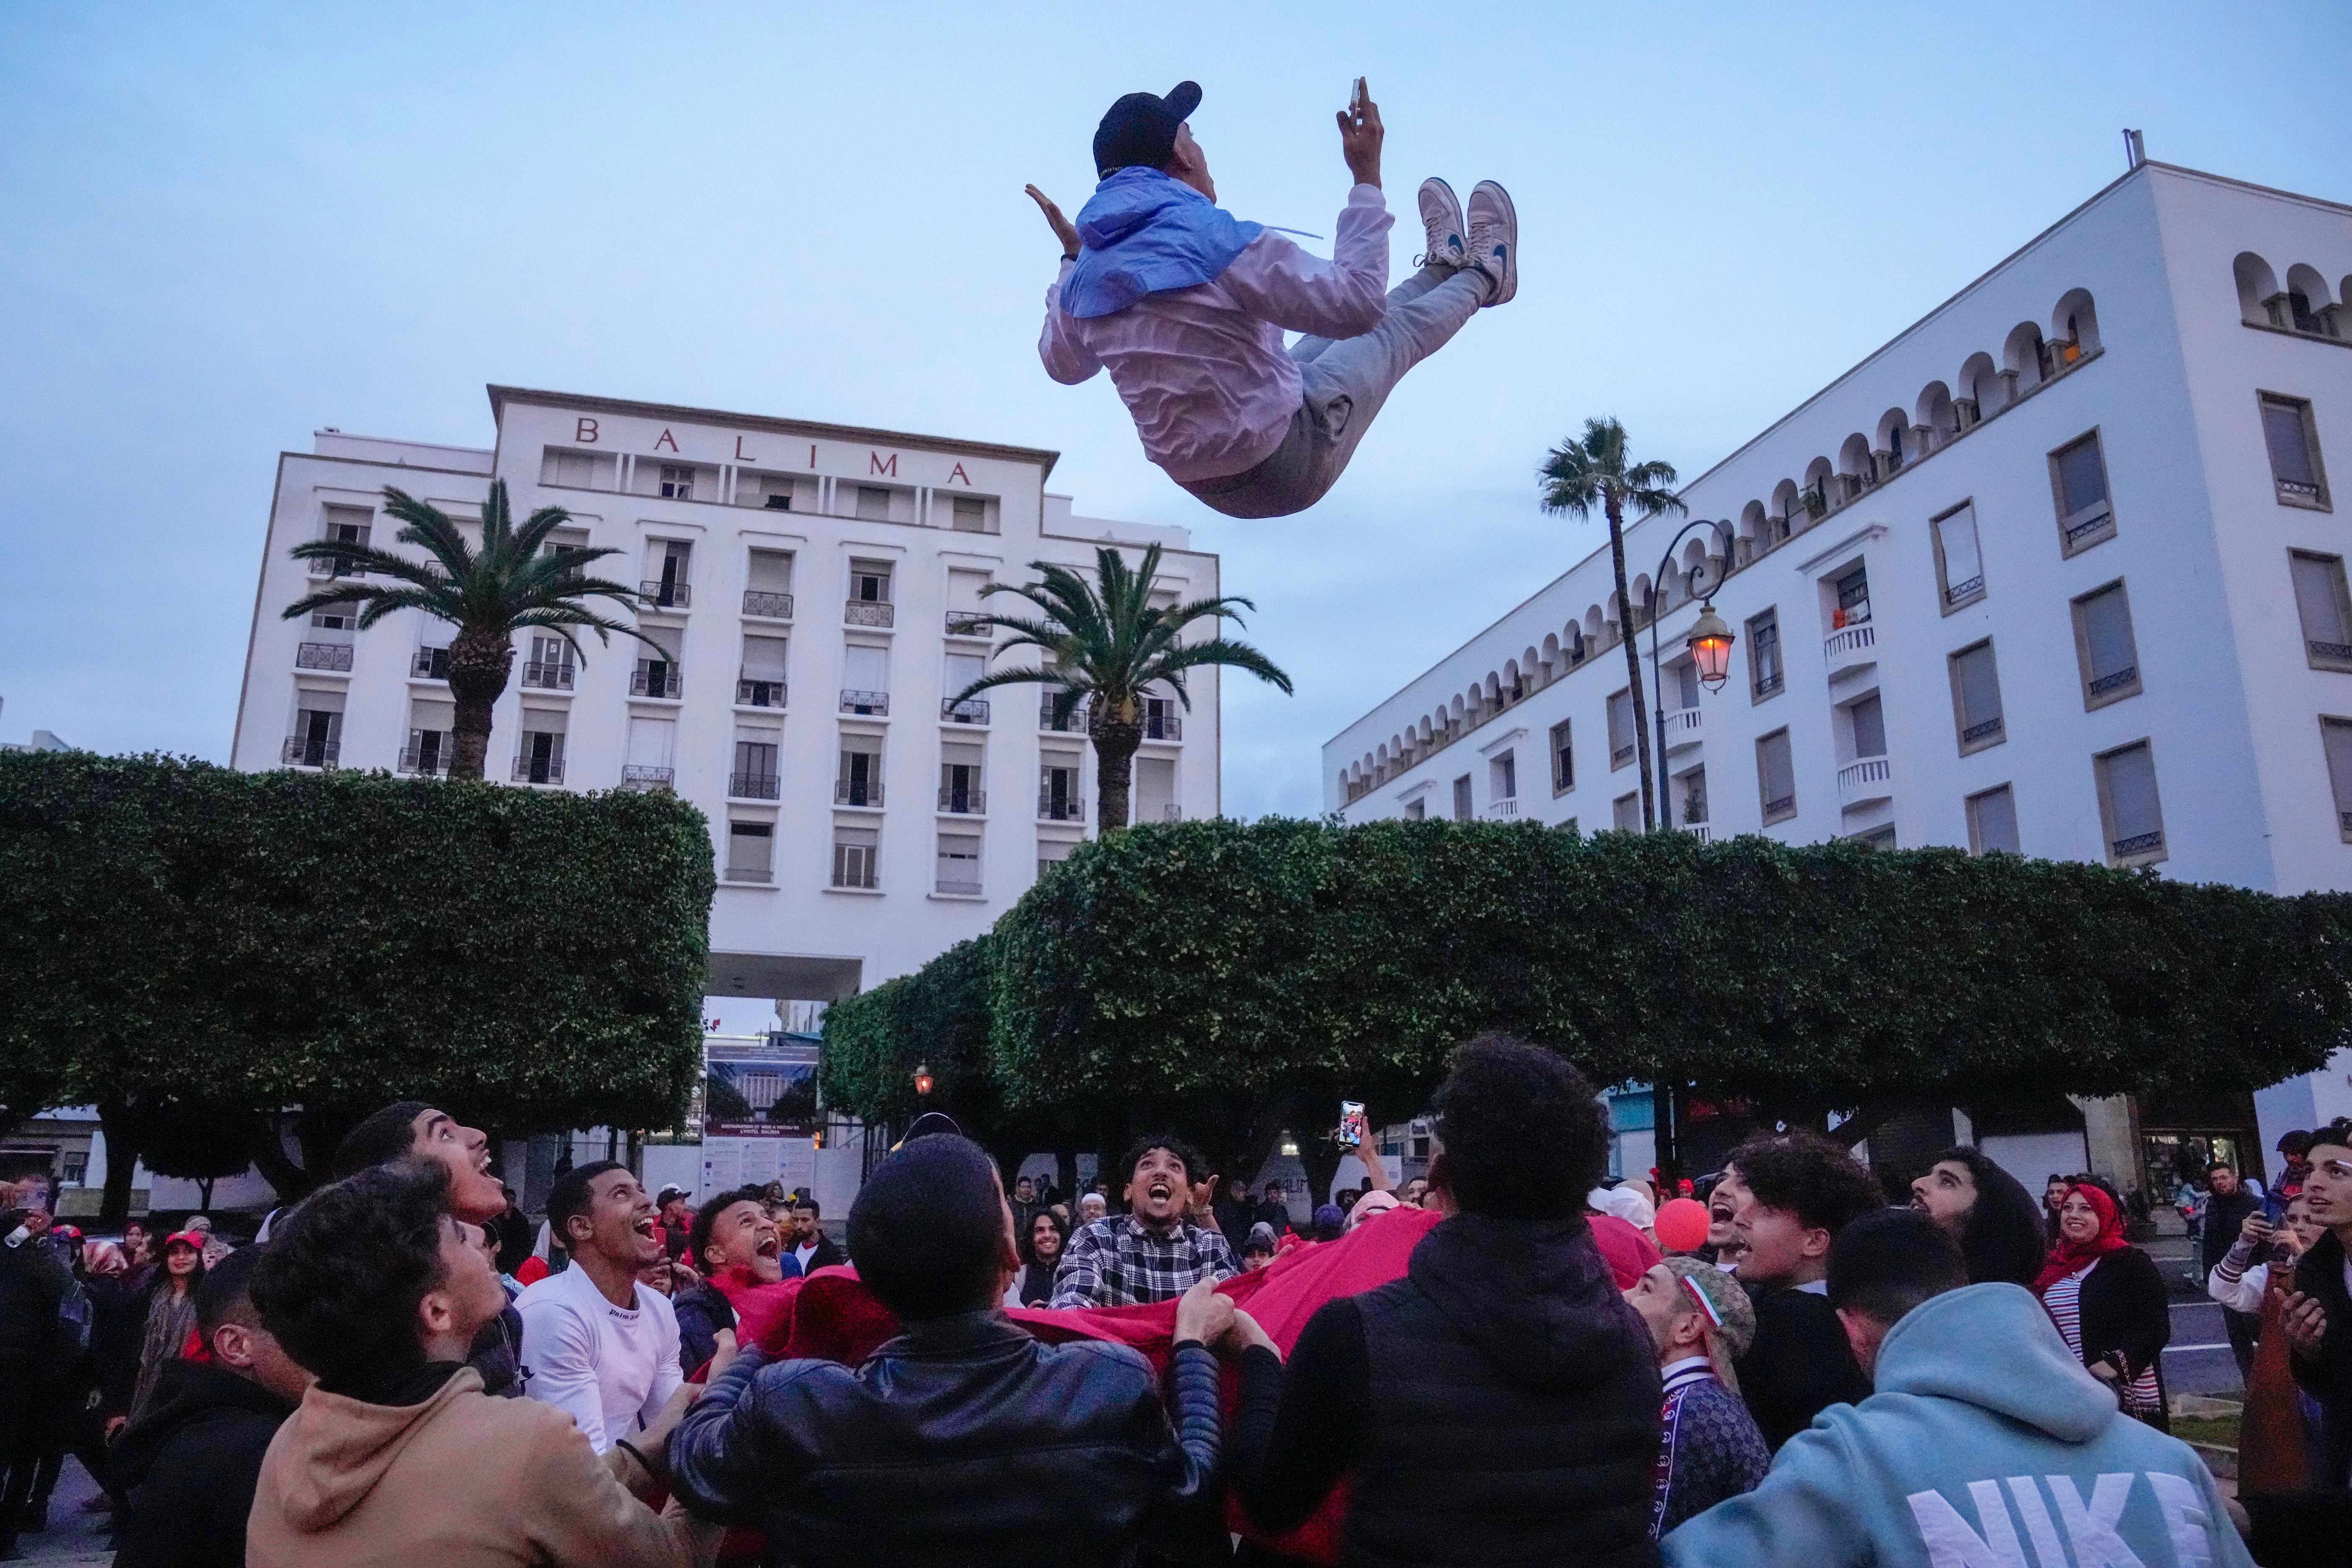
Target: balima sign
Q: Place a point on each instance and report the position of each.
(777, 451)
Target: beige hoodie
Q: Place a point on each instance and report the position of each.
(462, 1481)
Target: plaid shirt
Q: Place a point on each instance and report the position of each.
(1118, 1263)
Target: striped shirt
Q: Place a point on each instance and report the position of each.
(2065, 1301)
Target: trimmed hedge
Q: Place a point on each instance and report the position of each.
(336, 940)
(1214, 957)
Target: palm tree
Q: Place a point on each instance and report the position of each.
(1584, 472)
(1103, 648)
(487, 595)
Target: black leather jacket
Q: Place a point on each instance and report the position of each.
(961, 1441)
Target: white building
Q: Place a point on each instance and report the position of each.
(807, 584)
(2056, 571)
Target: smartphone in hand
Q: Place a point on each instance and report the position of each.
(1351, 1124)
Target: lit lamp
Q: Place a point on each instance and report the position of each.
(923, 1080)
(1710, 648)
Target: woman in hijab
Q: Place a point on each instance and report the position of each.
(2108, 1300)
(1989, 1212)
(1041, 1254)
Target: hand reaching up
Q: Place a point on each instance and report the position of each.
(1064, 229)
(1359, 136)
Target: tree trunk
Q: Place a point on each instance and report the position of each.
(1321, 1158)
(479, 663)
(1066, 1174)
(205, 1192)
(269, 1151)
(1633, 659)
(122, 1160)
(1116, 734)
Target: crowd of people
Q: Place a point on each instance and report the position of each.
(1510, 1360)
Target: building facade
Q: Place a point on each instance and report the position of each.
(2057, 571)
(808, 591)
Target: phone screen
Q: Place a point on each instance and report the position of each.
(1351, 1123)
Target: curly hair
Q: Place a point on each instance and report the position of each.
(1029, 1233)
(697, 1234)
(2003, 1238)
(339, 1281)
(1508, 1113)
(1195, 1168)
(1803, 1173)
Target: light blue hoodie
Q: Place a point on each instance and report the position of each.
(1143, 232)
(1986, 1446)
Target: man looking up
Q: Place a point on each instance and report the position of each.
(1701, 1322)
(731, 1232)
(396, 1458)
(1154, 1252)
(187, 1469)
(409, 1129)
(1984, 1440)
(596, 1343)
(1186, 307)
(1797, 1190)
(962, 1440)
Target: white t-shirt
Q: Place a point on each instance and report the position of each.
(610, 1368)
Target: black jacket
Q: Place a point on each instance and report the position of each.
(2126, 1312)
(187, 1470)
(2218, 1232)
(496, 1354)
(1497, 1406)
(1799, 1363)
(2329, 1377)
(826, 1256)
(701, 1313)
(33, 1280)
(964, 1441)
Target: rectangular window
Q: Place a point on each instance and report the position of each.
(2294, 443)
(2103, 645)
(873, 504)
(651, 758)
(865, 679)
(1462, 798)
(2078, 478)
(676, 482)
(539, 758)
(859, 782)
(2129, 808)
(1765, 677)
(1776, 777)
(1960, 567)
(1992, 821)
(1866, 726)
(1852, 598)
(1503, 777)
(754, 774)
(768, 590)
(960, 778)
(1625, 812)
(751, 851)
(969, 515)
(2321, 601)
(1621, 729)
(1693, 796)
(2335, 738)
(1563, 759)
(1976, 698)
(959, 867)
(669, 588)
(1051, 852)
(855, 856)
(1415, 809)
(1059, 796)
(580, 470)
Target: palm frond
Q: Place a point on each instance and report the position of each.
(1217, 651)
(431, 528)
(372, 558)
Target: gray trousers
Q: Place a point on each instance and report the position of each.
(1346, 380)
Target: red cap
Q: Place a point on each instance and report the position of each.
(194, 1238)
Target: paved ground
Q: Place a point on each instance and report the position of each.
(2198, 1361)
(74, 1539)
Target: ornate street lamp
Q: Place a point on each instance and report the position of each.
(923, 1080)
(1710, 648)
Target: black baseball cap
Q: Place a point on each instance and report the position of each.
(1141, 129)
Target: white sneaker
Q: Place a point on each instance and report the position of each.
(1495, 239)
(1441, 219)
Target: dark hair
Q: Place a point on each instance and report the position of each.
(1186, 1155)
(570, 1197)
(339, 1283)
(927, 1231)
(1803, 1173)
(1061, 1228)
(2339, 1133)
(382, 1137)
(2003, 1238)
(226, 1291)
(2221, 1165)
(2295, 1144)
(1525, 1135)
(1885, 1264)
(697, 1234)
(802, 1200)
(1330, 1223)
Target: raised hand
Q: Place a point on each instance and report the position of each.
(1359, 136)
(1203, 1314)
(1064, 229)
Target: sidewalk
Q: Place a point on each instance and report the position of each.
(74, 1539)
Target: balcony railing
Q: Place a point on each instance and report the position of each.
(851, 791)
(767, 606)
(959, 888)
(664, 680)
(1856, 779)
(1076, 720)
(1962, 591)
(430, 663)
(1683, 726)
(323, 656)
(1061, 808)
(1848, 642)
(868, 613)
(1506, 808)
(2092, 520)
(668, 595)
(412, 760)
(2338, 650)
(967, 624)
(866, 702)
(335, 566)
(549, 675)
(2296, 491)
(752, 786)
(645, 775)
(1172, 813)
(1164, 727)
(1699, 830)
(758, 694)
(972, 711)
(1768, 685)
(2137, 843)
(304, 752)
(1620, 755)
(1780, 805)
(749, 874)
(1981, 731)
(2114, 681)
(964, 802)
(539, 770)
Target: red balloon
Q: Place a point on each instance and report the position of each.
(1681, 1225)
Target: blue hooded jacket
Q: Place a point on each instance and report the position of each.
(1143, 232)
(1986, 1446)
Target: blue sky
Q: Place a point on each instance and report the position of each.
(222, 227)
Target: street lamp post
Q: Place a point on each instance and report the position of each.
(923, 1080)
(1709, 643)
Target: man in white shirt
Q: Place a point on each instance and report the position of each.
(596, 1343)
(1186, 307)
